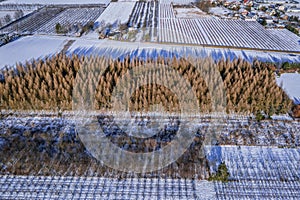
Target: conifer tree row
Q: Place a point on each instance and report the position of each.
(48, 84)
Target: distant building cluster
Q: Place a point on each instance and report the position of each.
(270, 13)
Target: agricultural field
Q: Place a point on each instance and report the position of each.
(24, 7)
(110, 69)
(72, 20)
(116, 13)
(180, 2)
(102, 188)
(258, 172)
(144, 18)
(166, 11)
(12, 12)
(40, 47)
(222, 33)
(219, 11)
(50, 140)
(55, 2)
(285, 34)
(144, 14)
(215, 32)
(116, 49)
(187, 12)
(47, 132)
(33, 22)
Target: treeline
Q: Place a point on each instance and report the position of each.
(290, 67)
(252, 88)
(48, 84)
(41, 84)
(204, 5)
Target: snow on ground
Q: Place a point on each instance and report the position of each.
(282, 117)
(50, 2)
(116, 49)
(256, 160)
(219, 10)
(290, 82)
(116, 12)
(3, 13)
(189, 13)
(293, 14)
(90, 35)
(257, 172)
(183, 2)
(30, 47)
(11, 13)
(91, 187)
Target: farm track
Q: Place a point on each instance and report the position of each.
(67, 46)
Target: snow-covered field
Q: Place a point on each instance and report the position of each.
(293, 14)
(116, 12)
(27, 48)
(224, 33)
(226, 129)
(143, 14)
(183, 2)
(189, 13)
(68, 187)
(285, 35)
(11, 13)
(253, 162)
(30, 47)
(255, 173)
(3, 13)
(290, 82)
(55, 2)
(70, 17)
(215, 32)
(219, 11)
(117, 49)
(33, 22)
(166, 11)
(258, 172)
